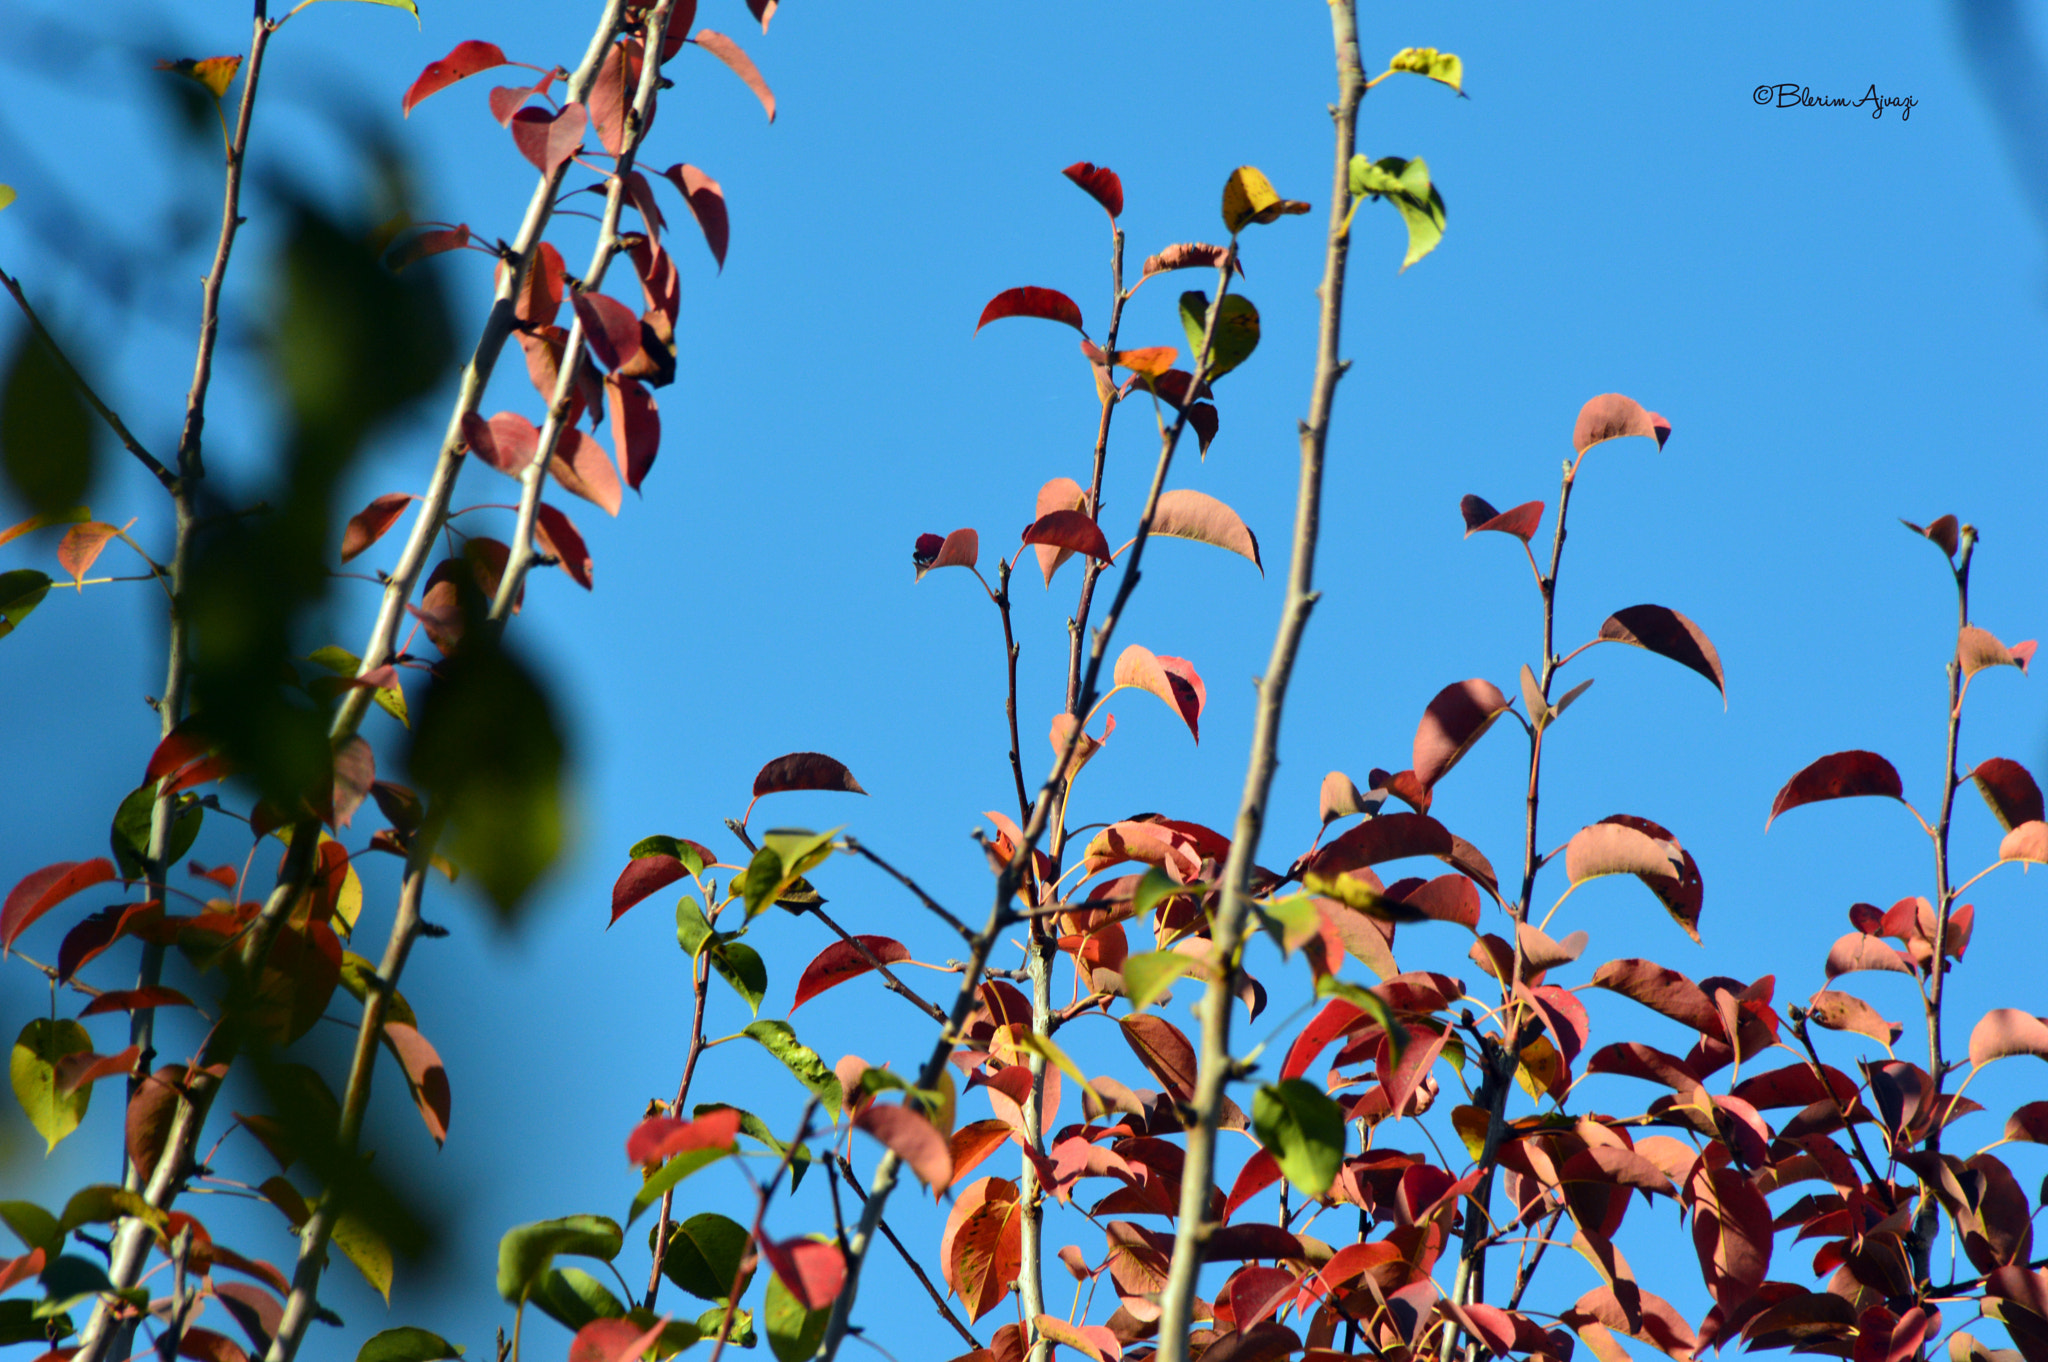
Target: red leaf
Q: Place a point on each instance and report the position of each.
(1062, 731)
(646, 875)
(961, 548)
(2008, 1031)
(355, 771)
(466, 60)
(1731, 1231)
(1664, 991)
(424, 1074)
(973, 1143)
(136, 1000)
(1840, 775)
(548, 139)
(1161, 1048)
(764, 10)
(636, 427)
(610, 327)
(559, 540)
(1059, 494)
(42, 890)
(813, 1272)
(916, 1141)
(582, 467)
(614, 1340)
(75, 1071)
(805, 771)
(1611, 416)
(1624, 845)
(728, 51)
(641, 195)
(840, 961)
(1050, 304)
(1260, 1171)
(1187, 514)
(1667, 634)
(1102, 185)
(1521, 521)
(1976, 648)
(1202, 416)
(987, 1251)
(1341, 799)
(208, 1346)
(81, 547)
(1942, 531)
(2009, 790)
(1154, 361)
(1458, 717)
(707, 203)
(1389, 837)
(1074, 531)
(1172, 679)
(539, 295)
(1187, 255)
(662, 1137)
(368, 525)
(424, 244)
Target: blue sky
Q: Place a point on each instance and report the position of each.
(1842, 316)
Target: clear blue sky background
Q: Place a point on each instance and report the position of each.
(1842, 317)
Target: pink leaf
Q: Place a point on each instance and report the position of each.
(614, 1340)
(1101, 184)
(1187, 514)
(1074, 531)
(2027, 842)
(558, 538)
(507, 100)
(1172, 679)
(916, 1141)
(1058, 494)
(466, 60)
(610, 327)
(1611, 416)
(424, 1074)
(636, 427)
(368, 525)
(707, 203)
(507, 442)
(1458, 717)
(81, 547)
(581, 465)
(764, 10)
(1046, 303)
(813, 1272)
(1187, 255)
(547, 140)
(1941, 531)
(728, 51)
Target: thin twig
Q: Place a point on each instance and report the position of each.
(700, 985)
(860, 848)
(92, 399)
(945, 1311)
(1216, 1065)
(766, 1191)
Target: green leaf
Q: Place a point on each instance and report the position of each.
(659, 845)
(794, 1333)
(21, 591)
(704, 1255)
(778, 1038)
(47, 432)
(1151, 974)
(750, 1124)
(1370, 1003)
(70, 1280)
(692, 928)
(1290, 921)
(527, 1251)
(742, 1334)
(1407, 186)
(342, 662)
(1427, 61)
(740, 965)
(407, 1345)
(1303, 1130)
(19, 1323)
(130, 833)
(35, 1227)
(675, 1335)
(487, 752)
(33, 1069)
(1237, 332)
(573, 1297)
(777, 870)
(6, 198)
(1155, 887)
(356, 974)
(408, 6)
(103, 1204)
(366, 1247)
(671, 1173)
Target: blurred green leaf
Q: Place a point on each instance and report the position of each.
(35, 1227)
(47, 432)
(671, 1173)
(362, 1245)
(1148, 975)
(692, 929)
(130, 834)
(574, 1298)
(704, 1255)
(407, 1345)
(486, 751)
(21, 591)
(20, 1324)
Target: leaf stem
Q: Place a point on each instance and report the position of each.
(700, 986)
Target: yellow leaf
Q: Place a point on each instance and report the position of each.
(6, 195)
(1248, 197)
(1427, 61)
(215, 73)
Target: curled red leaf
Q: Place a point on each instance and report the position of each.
(805, 771)
(961, 548)
(1666, 633)
(1611, 416)
(1075, 531)
(728, 51)
(1101, 183)
(1457, 718)
(465, 60)
(559, 539)
(1840, 775)
(1187, 514)
(1521, 522)
(368, 525)
(841, 961)
(1031, 301)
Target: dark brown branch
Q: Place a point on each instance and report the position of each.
(945, 1311)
